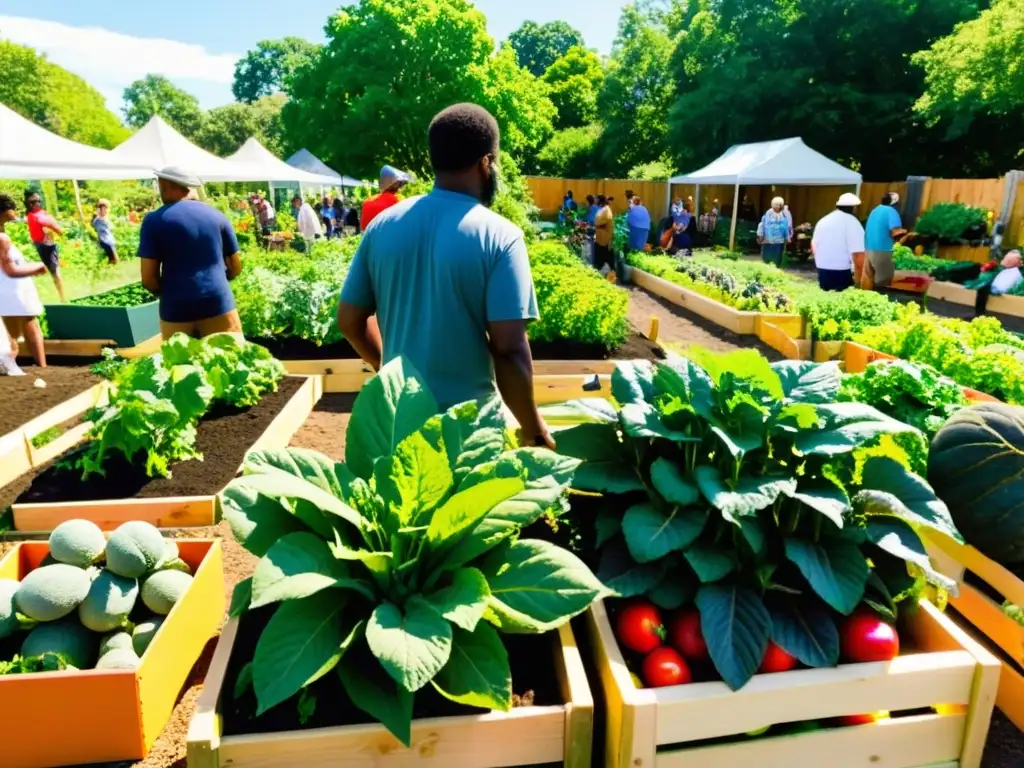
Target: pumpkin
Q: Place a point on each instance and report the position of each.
(976, 466)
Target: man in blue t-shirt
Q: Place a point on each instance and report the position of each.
(189, 252)
(449, 280)
(883, 226)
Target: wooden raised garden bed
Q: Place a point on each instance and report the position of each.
(703, 724)
(97, 716)
(94, 347)
(124, 326)
(985, 614)
(532, 735)
(1000, 305)
(979, 254)
(160, 501)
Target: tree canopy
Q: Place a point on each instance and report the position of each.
(538, 46)
(156, 95)
(266, 69)
(54, 98)
(575, 80)
(225, 129)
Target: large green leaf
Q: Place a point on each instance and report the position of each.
(412, 645)
(280, 484)
(806, 382)
(390, 407)
(300, 638)
(670, 482)
(643, 420)
(739, 444)
(583, 411)
(891, 489)
(477, 673)
(747, 365)
(623, 575)
(415, 478)
(835, 569)
(650, 535)
(710, 564)
(299, 565)
(822, 496)
(805, 630)
(455, 521)
(190, 391)
(673, 591)
(472, 435)
(464, 601)
(899, 539)
(376, 693)
(539, 587)
(314, 467)
(736, 626)
(750, 494)
(846, 426)
(256, 521)
(633, 382)
(607, 523)
(241, 597)
(607, 465)
(540, 462)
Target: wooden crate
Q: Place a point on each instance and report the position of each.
(127, 326)
(175, 511)
(93, 716)
(980, 254)
(951, 669)
(18, 455)
(1000, 305)
(826, 351)
(775, 336)
(985, 614)
(526, 736)
(94, 347)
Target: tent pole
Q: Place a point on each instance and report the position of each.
(735, 213)
(696, 201)
(668, 197)
(78, 201)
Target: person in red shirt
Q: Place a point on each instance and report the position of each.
(41, 228)
(391, 180)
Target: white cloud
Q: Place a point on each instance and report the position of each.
(109, 61)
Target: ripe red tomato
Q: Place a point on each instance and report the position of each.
(640, 627)
(664, 667)
(777, 660)
(870, 717)
(865, 637)
(684, 633)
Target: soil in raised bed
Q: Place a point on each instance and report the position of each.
(23, 401)
(223, 438)
(531, 658)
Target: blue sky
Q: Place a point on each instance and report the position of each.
(195, 42)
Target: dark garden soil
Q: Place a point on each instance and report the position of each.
(223, 437)
(23, 401)
(635, 347)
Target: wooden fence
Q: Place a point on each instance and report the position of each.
(548, 193)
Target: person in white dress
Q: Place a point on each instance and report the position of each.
(20, 307)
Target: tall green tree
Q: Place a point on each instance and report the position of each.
(538, 46)
(54, 98)
(575, 79)
(266, 69)
(388, 67)
(225, 129)
(571, 154)
(638, 88)
(156, 95)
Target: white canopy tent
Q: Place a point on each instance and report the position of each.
(29, 151)
(783, 162)
(253, 153)
(307, 161)
(158, 145)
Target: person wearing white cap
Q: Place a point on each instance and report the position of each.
(838, 241)
(391, 180)
(883, 227)
(189, 252)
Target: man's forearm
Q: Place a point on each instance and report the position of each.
(514, 374)
(365, 339)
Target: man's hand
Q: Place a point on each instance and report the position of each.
(542, 439)
(38, 269)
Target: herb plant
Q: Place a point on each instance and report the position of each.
(951, 221)
(745, 488)
(126, 296)
(398, 568)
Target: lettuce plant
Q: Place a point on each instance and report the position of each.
(744, 487)
(398, 568)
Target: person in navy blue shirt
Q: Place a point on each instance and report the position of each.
(189, 252)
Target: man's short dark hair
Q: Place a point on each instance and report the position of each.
(887, 198)
(601, 199)
(7, 204)
(460, 135)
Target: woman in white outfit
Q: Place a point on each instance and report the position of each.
(20, 307)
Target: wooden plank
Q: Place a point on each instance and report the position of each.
(977, 254)
(953, 292)
(193, 620)
(998, 577)
(776, 338)
(906, 742)
(558, 389)
(149, 347)
(204, 729)
(985, 614)
(824, 351)
(56, 447)
(912, 281)
(326, 367)
(291, 417)
(573, 367)
(80, 403)
(1011, 695)
(575, 690)
(15, 457)
(731, 319)
(169, 512)
(857, 357)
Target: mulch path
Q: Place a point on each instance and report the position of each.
(23, 401)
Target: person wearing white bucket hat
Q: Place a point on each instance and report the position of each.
(838, 241)
(189, 252)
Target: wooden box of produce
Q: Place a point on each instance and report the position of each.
(71, 717)
(537, 735)
(169, 511)
(125, 316)
(706, 724)
(1000, 305)
(987, 615)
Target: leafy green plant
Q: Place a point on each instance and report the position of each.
(950, 221)
(133, 295)
(914, 394)
(940, 269)
(397, 569)
(46, 437)
(746, 488)
(577, 304)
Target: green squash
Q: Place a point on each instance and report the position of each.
(976, 466)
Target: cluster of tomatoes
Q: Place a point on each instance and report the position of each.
(672, 651)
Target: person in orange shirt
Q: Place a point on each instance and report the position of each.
(391, 181)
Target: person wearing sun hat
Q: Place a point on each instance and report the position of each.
(391, 180)
(838, 241)
(189, 252)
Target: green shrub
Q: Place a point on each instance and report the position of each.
(577, 304)
(552, 252)
(950, 221)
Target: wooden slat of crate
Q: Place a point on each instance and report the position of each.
(94, 347)
(731, 319)
(778, 339)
